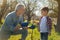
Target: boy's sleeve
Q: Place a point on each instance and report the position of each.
(49, 22)
(39, 24)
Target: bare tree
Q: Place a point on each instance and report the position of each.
(3, 9)
(30, 6)
(53, 5)
(58, 21)
(6, 8)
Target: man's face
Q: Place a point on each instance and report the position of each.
(21, 11)
(44, 13)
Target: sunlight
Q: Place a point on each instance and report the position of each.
(40, 4)
(1, 1)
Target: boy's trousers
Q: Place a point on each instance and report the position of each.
(44, 36)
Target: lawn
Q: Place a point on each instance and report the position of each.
(36, 35)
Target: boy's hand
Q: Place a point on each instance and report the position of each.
(38, 30)
(49, 33)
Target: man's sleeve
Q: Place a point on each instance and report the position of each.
(9, 23)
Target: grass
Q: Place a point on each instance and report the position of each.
(36, 35)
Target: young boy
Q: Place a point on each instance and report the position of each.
(45, 24)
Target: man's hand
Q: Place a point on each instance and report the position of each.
(17, 28)
(25, 27)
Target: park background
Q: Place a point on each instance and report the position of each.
(32, 14)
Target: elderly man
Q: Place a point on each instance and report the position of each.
(10, 25)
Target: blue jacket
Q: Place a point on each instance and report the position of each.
(11, 21)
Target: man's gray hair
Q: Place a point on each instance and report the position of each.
(18, 6)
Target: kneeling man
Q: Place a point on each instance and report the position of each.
(10, 25)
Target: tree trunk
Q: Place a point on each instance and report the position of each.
(58, 21)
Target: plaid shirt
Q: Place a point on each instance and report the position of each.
(49, 22)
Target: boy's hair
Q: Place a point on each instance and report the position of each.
(45, 9)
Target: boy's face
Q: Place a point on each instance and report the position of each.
(44, 13)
